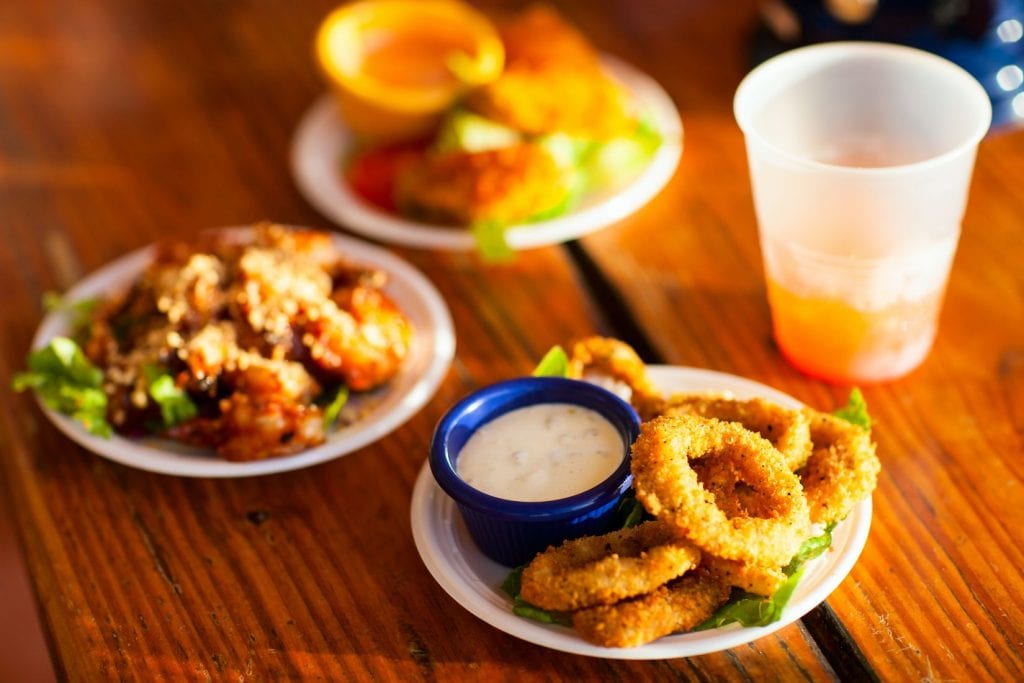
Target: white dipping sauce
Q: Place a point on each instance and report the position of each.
(541, 452)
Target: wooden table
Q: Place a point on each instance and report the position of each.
(125, 122)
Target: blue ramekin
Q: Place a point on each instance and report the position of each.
(512, 532)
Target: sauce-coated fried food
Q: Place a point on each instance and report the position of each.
(677, 606)
(251, 330)
(508, 185)
(788, 430)
(669, 488)
(842, 469)
(601, 570)
(553, 82)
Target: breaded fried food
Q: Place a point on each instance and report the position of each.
(843, 467)
(677, 606)
(553, 81)
(754, 578)
(507, 186)
(539, 38)
(668, 487)
(601, 570)
(788, 430)
(599, 359)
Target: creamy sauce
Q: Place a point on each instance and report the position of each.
(541, 452)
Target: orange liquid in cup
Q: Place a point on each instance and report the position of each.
(831, 339)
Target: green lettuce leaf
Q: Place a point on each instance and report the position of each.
(67, 382)
(175, 404)
(631, 510)
(555, 363)
(333, 407)
(855, 410)
(491, 242)
(511, 586)
(80, 311)
(748, 609)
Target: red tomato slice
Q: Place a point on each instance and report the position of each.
(372, 172)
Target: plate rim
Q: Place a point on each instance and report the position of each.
(320, 138)
(145, 454)
(853, 533)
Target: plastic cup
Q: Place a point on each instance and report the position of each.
(860, 159)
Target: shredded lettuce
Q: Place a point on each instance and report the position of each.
(175, 404)
(555, 363)
(67, 382)
(855, 410)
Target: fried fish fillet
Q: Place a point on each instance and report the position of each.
(507, 185)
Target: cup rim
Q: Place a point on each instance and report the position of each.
(743, 112)
(622, 415)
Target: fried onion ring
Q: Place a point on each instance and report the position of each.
(678, 606)
(670, 490)
(788, 430)
(842, 469)
(753, 578)
(596, 358)
(601, 570)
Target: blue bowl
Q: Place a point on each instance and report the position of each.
(512, 532)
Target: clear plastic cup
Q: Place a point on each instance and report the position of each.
(860, 159)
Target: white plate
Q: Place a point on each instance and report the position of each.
(430, 355)
(474, 581)
(322, 142)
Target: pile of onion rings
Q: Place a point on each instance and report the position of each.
(735, 487)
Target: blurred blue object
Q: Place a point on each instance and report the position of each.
(986, 37)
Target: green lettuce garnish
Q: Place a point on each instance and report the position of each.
(80, 310)
(631, 510)
(555, 363)
(511, 586)
(67, 382)
(855, 410)
(333, 407)
(175, 404)
(749, 609)
(491, 242)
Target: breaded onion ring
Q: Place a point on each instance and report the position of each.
(601, 570)
(670, 490)
(733, 496)
(788, 430)
(753, 578)
(842, 469)
(678, 606)
(603, 357)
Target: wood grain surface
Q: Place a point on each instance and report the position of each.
(124, 122)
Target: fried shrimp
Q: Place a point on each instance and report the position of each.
(668, 487)
(842, 469)
(601, 570)
(601, 358)
(677, 606)
(788, 430)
